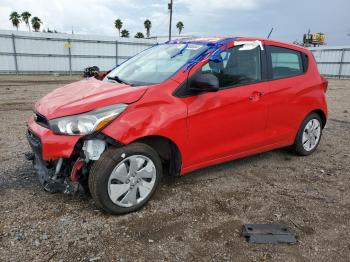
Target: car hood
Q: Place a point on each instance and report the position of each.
(84, 96)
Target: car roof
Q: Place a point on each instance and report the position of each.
(217, 39)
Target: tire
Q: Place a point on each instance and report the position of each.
(300, 147)
(115, 168)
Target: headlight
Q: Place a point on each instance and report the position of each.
(86, 123)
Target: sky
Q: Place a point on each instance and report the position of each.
(290, 19)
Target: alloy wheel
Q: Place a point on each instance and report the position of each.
(132, 180)
(311, 134)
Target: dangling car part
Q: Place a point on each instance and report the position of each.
(67, 176)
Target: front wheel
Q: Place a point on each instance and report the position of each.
(124, 179)
(309, 135)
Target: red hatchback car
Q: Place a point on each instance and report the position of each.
(173, 108)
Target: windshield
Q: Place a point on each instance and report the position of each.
(154, 65)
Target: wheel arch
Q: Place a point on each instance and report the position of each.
(168, 151)
(319, 112)
(322, 116)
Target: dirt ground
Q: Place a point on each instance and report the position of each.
(197, 217)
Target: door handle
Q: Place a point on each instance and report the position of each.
(256, 96)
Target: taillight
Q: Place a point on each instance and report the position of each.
(324, 83)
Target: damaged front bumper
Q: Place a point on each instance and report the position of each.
(61, 162)
(51, 174)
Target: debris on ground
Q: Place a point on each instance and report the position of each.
(268, 234)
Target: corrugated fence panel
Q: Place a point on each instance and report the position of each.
(328, 69)
(346, 57)
(346, 70)
(98, 49)
(48, 52)
(78, 64)
(40, 46)
(7, 63)
(6, 45)
(42, 64)
(125, 49)
(333, 61)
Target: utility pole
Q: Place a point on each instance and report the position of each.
(170, 7)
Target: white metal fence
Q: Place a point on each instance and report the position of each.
(34, 52)
(333, 61)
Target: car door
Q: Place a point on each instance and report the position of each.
(286, 72)
(231, 121)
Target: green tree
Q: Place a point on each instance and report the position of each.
(36, 23)
(25, 18)
(148, 25)
(180, 26)
(139, 35)
(118, 24)
(125, 33)
(15, 18)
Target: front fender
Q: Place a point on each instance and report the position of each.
(158, 113)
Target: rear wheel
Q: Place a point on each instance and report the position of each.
(309, 135)
(124, 179)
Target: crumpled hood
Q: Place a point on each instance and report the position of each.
(86, 95)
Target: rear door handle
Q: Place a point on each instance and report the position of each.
(256, 96)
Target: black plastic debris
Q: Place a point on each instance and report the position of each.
(91, 71)
(268, 234)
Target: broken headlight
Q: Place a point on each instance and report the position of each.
(86, 123)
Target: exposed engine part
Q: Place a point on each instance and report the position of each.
(58, 165)
(54, 176)
(76, 168)
(93, 148)
(55, 182)
(58, 168)
(47, 176)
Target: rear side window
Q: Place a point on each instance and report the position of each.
(285, 62)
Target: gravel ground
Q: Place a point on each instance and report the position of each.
(195, 217)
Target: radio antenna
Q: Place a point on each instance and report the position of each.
(270, 33)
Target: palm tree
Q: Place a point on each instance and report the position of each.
(139, 35)
(125, 33)
(180, 26)
(15, 19)
(36, 23)
(148, 25)
(118, 24)
(25, 18)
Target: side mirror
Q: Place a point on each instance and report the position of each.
(204, 83)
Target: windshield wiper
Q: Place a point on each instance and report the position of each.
(117, 79)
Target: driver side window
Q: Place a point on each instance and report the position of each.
(240, 68)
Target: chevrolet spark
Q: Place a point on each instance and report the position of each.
(174, 108)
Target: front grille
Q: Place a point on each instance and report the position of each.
(41, 120)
